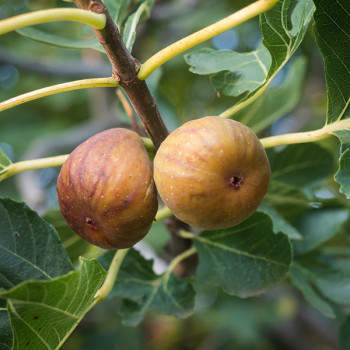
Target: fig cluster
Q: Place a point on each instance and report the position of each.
(211, 172)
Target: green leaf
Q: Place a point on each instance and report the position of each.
(44, 313)
(56, 40)
(5, 330)
(277, 101)
(29, 247)
(300, 165)
(278, 222)
(344, 334)
(143, 290)
(332, 33)
(245, 260)
(129, 32)
(72, 243)
(299, 277)
(4, 162)
(318, 226)
(234, 73)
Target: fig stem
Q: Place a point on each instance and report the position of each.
(52, 15)
(306, 136)
(113, 270)
(41, 163)
(55, 89)
(202, 35)
(184, 255)
(163, 213)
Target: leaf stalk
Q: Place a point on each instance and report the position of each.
(202, 35)
(52, 15)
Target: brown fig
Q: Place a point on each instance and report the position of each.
(106, 191)
(212, 172)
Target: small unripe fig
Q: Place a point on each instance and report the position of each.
(106, 191)
(212, 172)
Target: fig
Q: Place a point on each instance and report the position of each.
(106, 191)
(212, 172)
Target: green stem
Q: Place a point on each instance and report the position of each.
(52, 15)
(184, 255)
(18, 167)
(163, 213)
(202, 35)
(113, 270)
(186, 234)
(55, 89)
(306, 136)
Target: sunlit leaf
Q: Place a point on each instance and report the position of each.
(245, 260)
(44, 313)
(232, 73)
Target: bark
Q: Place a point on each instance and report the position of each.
(125, 68)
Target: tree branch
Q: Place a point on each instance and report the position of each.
(125, 68)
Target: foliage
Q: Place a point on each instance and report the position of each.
(299, 237)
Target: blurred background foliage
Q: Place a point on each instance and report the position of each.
(56, 124)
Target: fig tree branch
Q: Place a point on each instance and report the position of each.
(125, 68)
(204, 34)
(52, 15)
(55, 89)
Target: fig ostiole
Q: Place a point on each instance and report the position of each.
(106, 191)
(212, 172)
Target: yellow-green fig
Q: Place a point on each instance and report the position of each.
(212, 172)
(106, 190)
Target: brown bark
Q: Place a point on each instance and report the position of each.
(125, 68)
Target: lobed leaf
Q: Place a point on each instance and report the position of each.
(342, 175)
(245, 260)
(29, 247)
(278, 100)
(234, 73)
(5, 330)
(143, 290)
(44, 313)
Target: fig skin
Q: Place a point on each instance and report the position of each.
(212, 172)
(106, 190)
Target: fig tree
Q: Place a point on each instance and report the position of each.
(212, 172)
(106, 191)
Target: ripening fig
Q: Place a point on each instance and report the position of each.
(212, 172)
(106, 191)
